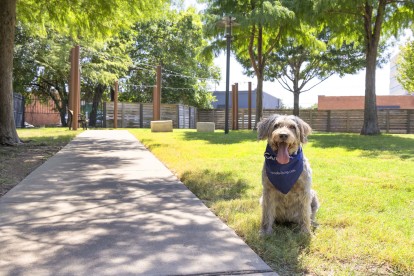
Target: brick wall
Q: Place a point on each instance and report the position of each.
(357, 102)
(40, 113)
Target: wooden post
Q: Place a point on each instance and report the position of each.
(328, 123)
(249, 103)
(122, 114)
(70, 100)
(243, 119)
(157, 96)
(409, 112)
(236, 112)
(141, 115)
(387, 120)
(233, 108)
(75, 81)
(116, 105)
(104, 115)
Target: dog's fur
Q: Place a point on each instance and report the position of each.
(301, 203)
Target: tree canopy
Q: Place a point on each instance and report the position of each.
(365, 23)
(296, 64)
(130, 57)
(96, 19)
(175, 42)
(261, 27)
(405, 67)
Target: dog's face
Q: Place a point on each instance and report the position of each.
(284, 133)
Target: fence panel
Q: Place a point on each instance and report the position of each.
(18, 110)
(389, 120)
(140, 115)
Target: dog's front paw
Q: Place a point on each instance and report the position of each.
(265, 232)
(305, 229)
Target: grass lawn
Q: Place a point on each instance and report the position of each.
(365, 185)
(48, 135)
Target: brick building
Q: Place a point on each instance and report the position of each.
(357, 102)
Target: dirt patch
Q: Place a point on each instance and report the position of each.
(19, 161)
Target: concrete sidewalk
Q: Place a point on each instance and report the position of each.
(104, 205)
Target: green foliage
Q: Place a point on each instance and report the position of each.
(43, 68)
(78, 19)
(296, 64)
(366, 23)
(365, 185)
(405, 66)
(174, 41)
(261, 27)
(347, 19)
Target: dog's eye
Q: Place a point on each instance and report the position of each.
(276, 126)
(293, 127)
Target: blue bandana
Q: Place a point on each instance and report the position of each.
(283, 176)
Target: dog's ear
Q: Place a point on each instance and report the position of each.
(304, 128)
(264, 127)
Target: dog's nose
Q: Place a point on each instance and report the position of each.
(283, 136)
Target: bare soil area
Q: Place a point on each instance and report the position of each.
(17, 162)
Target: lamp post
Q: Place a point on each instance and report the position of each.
(228, 22)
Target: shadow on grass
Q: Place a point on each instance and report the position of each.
(232, 137)
(284, 248)
(402, 147)
(212, 186)
(48, 140)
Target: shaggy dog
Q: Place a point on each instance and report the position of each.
(286, 175)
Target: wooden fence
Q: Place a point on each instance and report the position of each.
(140, 115)
(18, 110)
(390, 120)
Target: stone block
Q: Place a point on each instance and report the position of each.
(162, 126)
(205, 127)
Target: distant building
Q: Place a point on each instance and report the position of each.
(357, 102)
(269, 101)
(395, 86)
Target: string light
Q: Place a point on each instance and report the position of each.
(170, 72)
(173, 73)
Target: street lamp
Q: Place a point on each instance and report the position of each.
(227, 22)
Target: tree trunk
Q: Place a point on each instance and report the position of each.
(61, 102)
(296, 103)
(97, 97)
(370, 126)
(372, 36)
(296, 92)
(258, 67)
(259, 99)
(8, 133)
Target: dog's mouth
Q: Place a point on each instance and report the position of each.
(282, 156)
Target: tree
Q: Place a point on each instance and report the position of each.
(174, 41)
(296, 64)
(366, 23)
(102, 64)
(41, 66)
(405, 67)
(8, 133)
(261, 27)
(97, 18)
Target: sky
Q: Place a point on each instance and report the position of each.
(349, 85)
